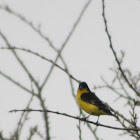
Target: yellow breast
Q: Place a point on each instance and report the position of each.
(87, 107)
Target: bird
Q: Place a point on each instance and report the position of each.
(90, 103)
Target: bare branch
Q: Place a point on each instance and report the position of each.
(67, 39)
(16, 83)
(22, 18)
(67, 115)
(18, 58)
(45, 116)
(114, 53)
(1, 136)
(23, 119)
(42, 57)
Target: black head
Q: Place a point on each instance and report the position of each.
(83, 85)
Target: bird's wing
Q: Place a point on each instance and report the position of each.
(93, 99)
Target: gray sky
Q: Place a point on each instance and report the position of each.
(87, 55)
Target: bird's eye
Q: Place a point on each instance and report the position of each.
(80, 87)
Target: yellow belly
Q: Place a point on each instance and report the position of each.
(89, 108)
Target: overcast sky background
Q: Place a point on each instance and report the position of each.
(87, 55)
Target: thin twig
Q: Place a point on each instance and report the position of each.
(42, 57)
(22, 119)
(45, 116)
(80, 130)
(1, 136)
(19, 59)
(115, 91)
(114, 53)
(67, 115)
(22, 18)
(16, 83)
(66, 41)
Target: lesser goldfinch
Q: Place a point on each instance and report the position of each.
(90, 103)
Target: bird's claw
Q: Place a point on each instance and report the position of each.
(97, 123)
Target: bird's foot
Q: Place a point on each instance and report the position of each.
(97, 124)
